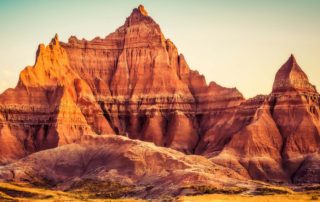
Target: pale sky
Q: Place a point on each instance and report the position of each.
(236, 43)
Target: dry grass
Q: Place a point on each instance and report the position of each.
(92, 189)
(243, 198)
(87, 192)
(25, 192)
(213, 190)
(263, 192)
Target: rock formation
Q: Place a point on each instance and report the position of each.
(144, 86)
(118, 159)
(50, 106)
(271, 137)
(135, 83)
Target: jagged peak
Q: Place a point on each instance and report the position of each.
(138, 15)
(55, 40)
(291, 65)
(43, 49)
(51, 67)
(291, 77)
(73, 39)
(292, 58)
(215, 87)
(142, 10)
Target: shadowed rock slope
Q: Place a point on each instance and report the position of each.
(145, 170)
(272, 137)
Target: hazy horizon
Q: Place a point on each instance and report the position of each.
(238, 44)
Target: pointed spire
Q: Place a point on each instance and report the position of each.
(55, 40)
(292, 56)
(292, 61)
(291, 77)
(291, 65)
(142, 10)
(138, 15)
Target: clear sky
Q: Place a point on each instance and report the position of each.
(237, 43)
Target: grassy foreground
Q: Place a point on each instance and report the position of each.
(266, 193)
(25, 192)
(243, 198)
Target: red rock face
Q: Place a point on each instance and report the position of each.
(270, 137)
(290, 77)
(145, 87)
(134, 82)
(296, 113)
(50, 106)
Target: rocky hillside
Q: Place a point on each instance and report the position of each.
(135, 83)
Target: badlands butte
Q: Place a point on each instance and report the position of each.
(127, 110)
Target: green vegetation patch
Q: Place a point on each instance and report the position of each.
(314, 198)
(214, 190)
(312, 188)
(22, 194)
(101, 189)
(269, 191)
(4, 197)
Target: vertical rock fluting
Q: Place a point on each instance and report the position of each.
(149, 91)
(271, 137)
(50, 106)
(295, 109)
